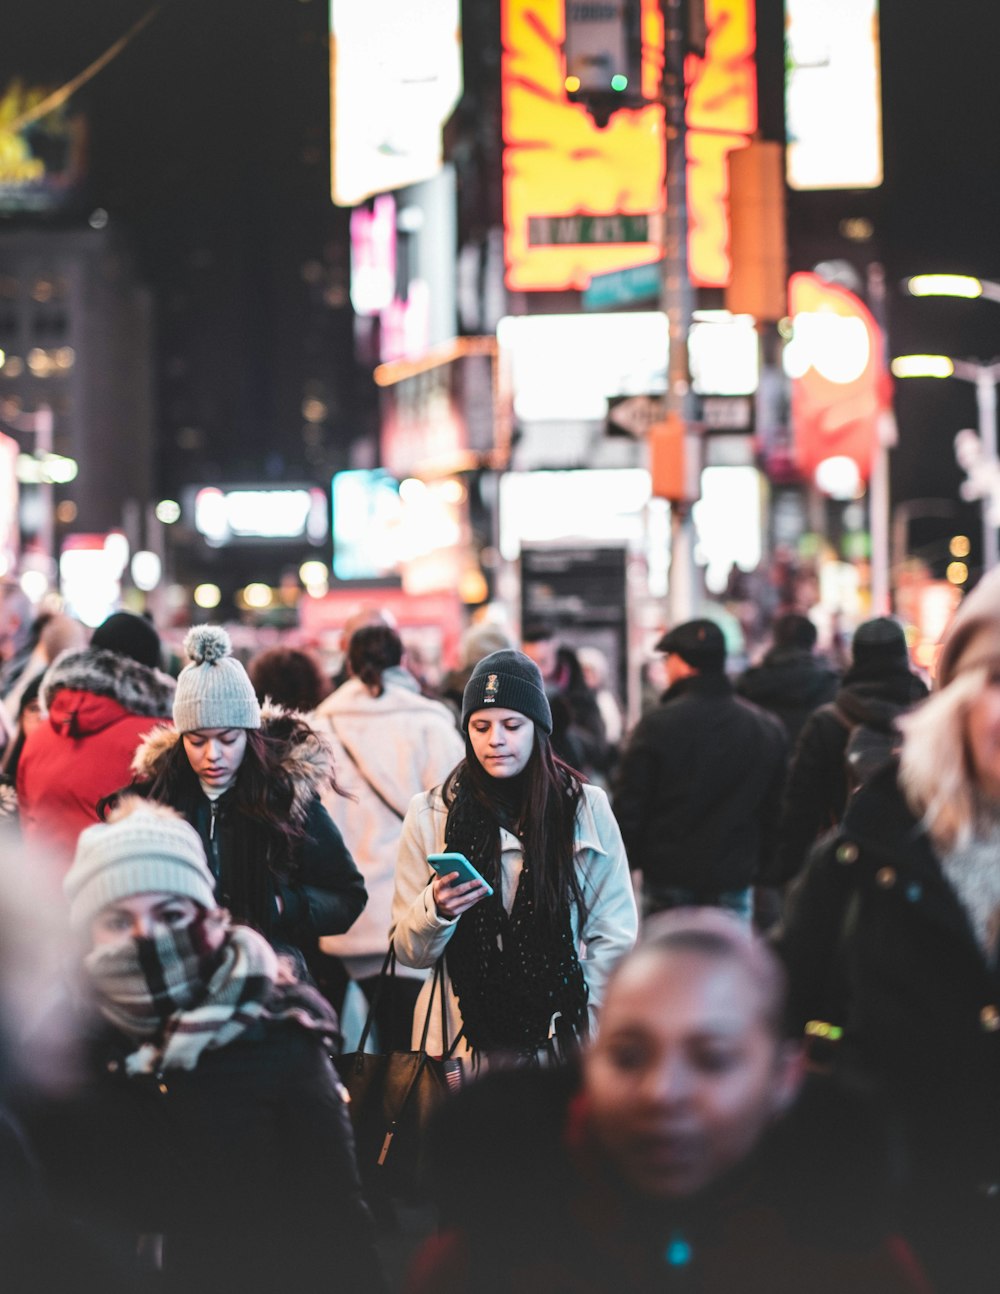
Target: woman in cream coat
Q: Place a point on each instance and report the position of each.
(528, 962)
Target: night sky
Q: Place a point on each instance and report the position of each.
(205, 124)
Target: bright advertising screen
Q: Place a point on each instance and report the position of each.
(833, 103)
(395, 78)
(579, 200)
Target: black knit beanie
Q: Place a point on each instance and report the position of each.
(511, 681)
(129, 635)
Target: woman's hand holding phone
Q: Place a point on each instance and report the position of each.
(457, 885)
(452, 900)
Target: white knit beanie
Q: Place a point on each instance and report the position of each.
(214, 691)
(146, 849)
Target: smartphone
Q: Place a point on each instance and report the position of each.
(445, 863)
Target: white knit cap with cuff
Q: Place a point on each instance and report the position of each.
(146, 850)
(214, 691)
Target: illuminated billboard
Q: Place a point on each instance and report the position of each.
(560, 168)
(833, 105)
(43, 162)
(395, 78)
(256, 513)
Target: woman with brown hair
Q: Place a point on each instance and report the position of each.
(249, 783)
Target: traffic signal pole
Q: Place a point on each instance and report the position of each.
(677, 303)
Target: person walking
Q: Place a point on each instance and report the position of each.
(209, 1134)
(875, 691)
(249, 783)
(389, 744)
(699, 784)
(791, 680)
(514, 975)
(892, 936)
(100, 702)
(682, 1154)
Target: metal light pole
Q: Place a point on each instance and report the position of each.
(677, 297)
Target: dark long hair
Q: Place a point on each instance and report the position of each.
(371, 651)
(540, 805)
(263, 790)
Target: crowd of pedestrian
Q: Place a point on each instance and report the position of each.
(717, 990)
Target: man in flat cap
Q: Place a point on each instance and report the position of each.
(698, 790)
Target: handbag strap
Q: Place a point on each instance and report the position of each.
(388, 972)
(361, 772)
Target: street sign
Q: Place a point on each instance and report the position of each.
(727, 412)
(549, 231)
(635, 414)
(623, 287)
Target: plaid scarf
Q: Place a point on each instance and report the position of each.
(177, 999)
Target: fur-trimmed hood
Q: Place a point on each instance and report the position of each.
(309, 762)
(77, 685)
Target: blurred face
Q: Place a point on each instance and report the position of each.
(545, 655)
(685, 1074)
(31, 717)
(983, 729)
(142, 916)
(216, 754)
(502, 740)
(676, 668)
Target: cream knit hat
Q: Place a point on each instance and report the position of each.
(144, 849)
(214, 691)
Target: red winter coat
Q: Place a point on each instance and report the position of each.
(100, 706)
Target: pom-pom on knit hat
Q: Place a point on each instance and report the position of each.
(508, 680)
(214, 691)
(144, 849)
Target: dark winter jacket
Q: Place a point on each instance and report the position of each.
(244, 1165)
(536, 1208)
(698, 788)
(324, 891)
(877, 941)
(100, 706)
(817, 787)
(791, 682)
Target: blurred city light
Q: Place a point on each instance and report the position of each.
(34, 585)
(944, 285)
(957, 572)
(146, 570)
(839, 478)
(960, 546)
(314, 573)
(922, 366)
(168, 511)
(207, 596)
(257, 596)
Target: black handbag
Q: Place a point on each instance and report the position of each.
(394, 1094)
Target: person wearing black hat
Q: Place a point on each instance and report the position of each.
(699, 784)
(529, 955)
(100, 702)
(878, 688)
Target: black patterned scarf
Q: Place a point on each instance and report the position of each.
(513, 973)
(176, 999)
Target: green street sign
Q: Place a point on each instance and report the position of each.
(623, 287)
(569, 231)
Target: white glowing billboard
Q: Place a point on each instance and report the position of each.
(395, 78)
(566, 366)
(833, 94)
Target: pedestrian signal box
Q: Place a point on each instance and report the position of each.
(604, 55)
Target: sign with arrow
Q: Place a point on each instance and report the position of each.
(633, 415)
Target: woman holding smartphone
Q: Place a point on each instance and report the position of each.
(528, 962)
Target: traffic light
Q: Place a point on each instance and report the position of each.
(603, 49)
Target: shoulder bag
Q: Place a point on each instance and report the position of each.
(394, 1094)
